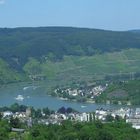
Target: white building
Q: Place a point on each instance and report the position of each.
(7, 114)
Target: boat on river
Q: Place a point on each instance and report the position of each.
(83, 106)
(32, 87)
(19, 98)
(25, 88)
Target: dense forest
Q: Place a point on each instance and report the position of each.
(18, 44)
(51, 51)
(85, 131)
(72, 131)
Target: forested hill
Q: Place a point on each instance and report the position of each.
(135, 31)
(18, 44)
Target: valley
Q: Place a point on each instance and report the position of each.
(71, 58)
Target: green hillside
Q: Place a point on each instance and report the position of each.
(117, 64)
(8, 75)
(69, 53)
(128, 91)
(18, 44)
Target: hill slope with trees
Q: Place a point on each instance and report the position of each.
(66, 52)
(18, 44)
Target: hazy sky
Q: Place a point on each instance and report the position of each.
(101, 14)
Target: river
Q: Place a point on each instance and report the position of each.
(35, 95)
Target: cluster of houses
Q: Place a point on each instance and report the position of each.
(89, 92)
(24, 117)
(55, 118)
(101, 114)
(58, 118)
(8, 114)
(134, 118)
(130, 115)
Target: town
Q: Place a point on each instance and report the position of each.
(80, 94)
(29, 116)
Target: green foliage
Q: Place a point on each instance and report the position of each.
(15, 122)
(14, 108)
(128, 91)
(109, 118)
(32, 67)
(109, 66)
(13, 135)
(73, 131)
(18, 44)
(4, 130)
(46, 111)
(8, 75)
(40, 50)
(85, 131)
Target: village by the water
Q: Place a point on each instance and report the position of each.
(44, 116)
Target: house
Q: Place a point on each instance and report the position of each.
(137, 113)
(7, 114)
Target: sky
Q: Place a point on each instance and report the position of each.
(100, 14)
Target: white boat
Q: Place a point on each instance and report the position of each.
(83, 106)
(32, 87)
(25, 88)
(19, 98)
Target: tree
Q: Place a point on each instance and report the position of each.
(105, 135)
(62, 110)
(15, 122)
(69, 110)
(46, 111)
(22, 108)
(118, 118)
(4, 130)
(38, 113)
(15, 107)
(98, 124)
(0, 116)
(109, 118)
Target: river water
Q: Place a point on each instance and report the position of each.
(35, 95)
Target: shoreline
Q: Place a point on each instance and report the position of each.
(28, 83)
(92, 101)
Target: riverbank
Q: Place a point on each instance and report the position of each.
(107, 102)
(39, 98)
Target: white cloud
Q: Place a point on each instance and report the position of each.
(2, 1)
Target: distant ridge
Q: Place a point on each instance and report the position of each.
(18, 44)
(67, 53)
(135, 31)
